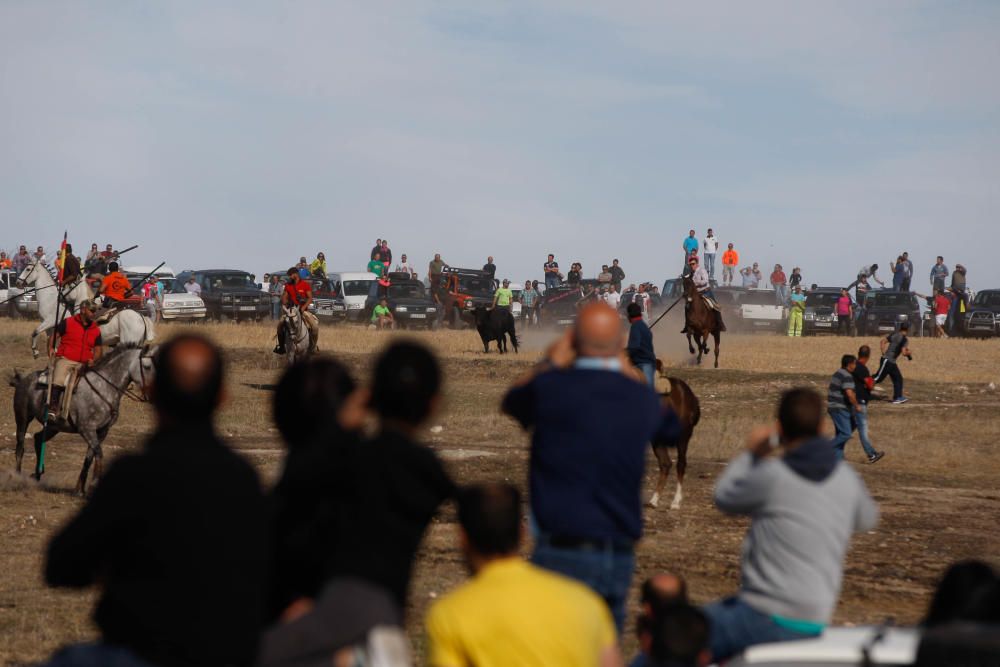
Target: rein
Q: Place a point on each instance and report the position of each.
(122, 391)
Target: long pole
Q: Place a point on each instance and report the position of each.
(40, 464)
(663, 314)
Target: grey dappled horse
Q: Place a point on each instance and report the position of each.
(93, 409)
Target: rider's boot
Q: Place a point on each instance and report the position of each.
(687, 307)
(55, 403)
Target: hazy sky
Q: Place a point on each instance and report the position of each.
(245, 134)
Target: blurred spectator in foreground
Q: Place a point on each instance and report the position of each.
(175, 536)
(680, 637)
(657, 593)
(588, 520)
(803, 506)
(962, 628)
(512, 612)
(959, 589)
(640, 344)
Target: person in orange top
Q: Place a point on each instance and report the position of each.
(730, 260)
(115, 287)
(5, 262)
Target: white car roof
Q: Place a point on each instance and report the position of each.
(353, 275)
(162, 272)
(843, 646)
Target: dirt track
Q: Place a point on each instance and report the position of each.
(937, 485)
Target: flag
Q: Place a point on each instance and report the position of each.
(62, 258)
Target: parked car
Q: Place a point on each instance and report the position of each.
(230, 294)
(885, 310)
(464, 290)
(760, 312)
(18, 304)
(872, 646)
(982, 320)
(328, 303)
(673, 288)
(409, 302)
(7, 280)
(515, 304)
(176, 302)
(353, 288)
(728, 299)
(821, 311)
(559, 305)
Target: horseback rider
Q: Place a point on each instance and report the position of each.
(703, 284)
(115, 288)
(70, 267)
(79, 345)
(298, 292)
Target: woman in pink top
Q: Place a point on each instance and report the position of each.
(845, 312)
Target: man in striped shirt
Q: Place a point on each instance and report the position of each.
(842, 402)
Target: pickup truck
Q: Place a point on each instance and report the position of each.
(230, 294)
(885, 310)
(982, 320)
(759, 311)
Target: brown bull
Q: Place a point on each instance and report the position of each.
(678, 395)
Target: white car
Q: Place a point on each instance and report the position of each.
(760, 311)
(838, 646)
(515, 303)
(177, 303)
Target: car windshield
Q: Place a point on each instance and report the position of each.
(357, 287)
(822, 300)
(475, 285)
(176, 287)
(989, 299)
(758, 298)
(230, 281)
(893, 300)
(411, 291)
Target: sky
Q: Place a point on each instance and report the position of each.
(244, 134)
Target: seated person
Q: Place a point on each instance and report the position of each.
(382, 316)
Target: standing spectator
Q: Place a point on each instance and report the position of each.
(151, 299)
(434, 270)
(529, 302)
(274, 288)
(711, 246)
(861, 290)
(842, 403)
(177, 550)
(640, 344)
(613, 298)
(898, 269)
(94, 262)
(588, 520)
(491, 268)
(845, 312)
(404, 267)
(958, 300)
(376, 267)
(907, 272)
(795, 279)
(893, 347)
(758, 277)
(573, 277)
(942, 306)
(604, 277)
(377, 248)
(939, 272)
(386, 255)
(803, 508)
(617, 274)
(730, 260)
(318, 266)
(512, 612)
(109, 253)
(552, 275)
(690, 246)
(780, 284)
(796, 312)
(303, 268)
(5, 262)
(503, 296)
(20, 260)
(863, 383)
(394, 484)
(642, 299)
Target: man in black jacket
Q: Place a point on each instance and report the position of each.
(174, 536)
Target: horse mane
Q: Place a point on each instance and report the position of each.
(109, 358)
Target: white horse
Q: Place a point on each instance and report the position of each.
(36, 275)
(128, 328)
(296, 334)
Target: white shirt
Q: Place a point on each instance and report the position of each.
(404, 268)
(711, 244)
(613, 299)
(700, 279)
(192, 288)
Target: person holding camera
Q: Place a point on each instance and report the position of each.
(894, 346)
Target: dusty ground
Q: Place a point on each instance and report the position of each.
(937, 485)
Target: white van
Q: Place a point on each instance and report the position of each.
(177, 303)
(354, 288)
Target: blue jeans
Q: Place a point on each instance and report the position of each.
(551, 281)
(735, 625)
(710, 265)
(780, 294)
(845, 428)
(607, 571)
(95, 655)
(861, 419)
(649, 370)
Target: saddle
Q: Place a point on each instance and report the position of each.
(711, 303)
(69, 390)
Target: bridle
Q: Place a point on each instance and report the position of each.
(124, 391)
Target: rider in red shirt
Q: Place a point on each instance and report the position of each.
(79, 345)
(297, 293)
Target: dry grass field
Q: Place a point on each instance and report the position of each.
(937, 486)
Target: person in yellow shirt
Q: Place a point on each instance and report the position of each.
(503, 296)
(513, 612)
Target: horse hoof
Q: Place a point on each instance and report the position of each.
(675, 506)
(34, 354)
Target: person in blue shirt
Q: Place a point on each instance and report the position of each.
(591, 419)
(690, 246)
(640, 344)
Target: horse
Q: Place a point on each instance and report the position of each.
(296, 333)
(37, 276)
(700, 321)
(678, 395)
(129, 328)
(93, 408)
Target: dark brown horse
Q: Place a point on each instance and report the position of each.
(700, 321)
(678, 395)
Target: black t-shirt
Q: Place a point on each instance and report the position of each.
(860, 388)
(617, 274)
(490, 269)
(897, 343)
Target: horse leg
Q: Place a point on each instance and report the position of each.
(22, 429)
(718, 337)
(690, 346)
(698, 342)
(93, 451)
(45, 435)
(682, 461)
(663, 461)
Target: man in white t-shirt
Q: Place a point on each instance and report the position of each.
(192, 287)
(711, 246)
(612, 297)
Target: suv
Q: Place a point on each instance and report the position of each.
(760, 312)
(885, 310)
(409, 303)
(559, 305)
(983, 317)
(230, 294)
(821, 311)
(464, 290)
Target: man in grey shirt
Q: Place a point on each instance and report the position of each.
(893, 346)
(804, 504)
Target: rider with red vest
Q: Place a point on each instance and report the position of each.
(298, 293)
(79, 345)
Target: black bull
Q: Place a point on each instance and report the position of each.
(496, 324)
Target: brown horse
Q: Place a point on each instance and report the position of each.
(700, 321)
(678, 395)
